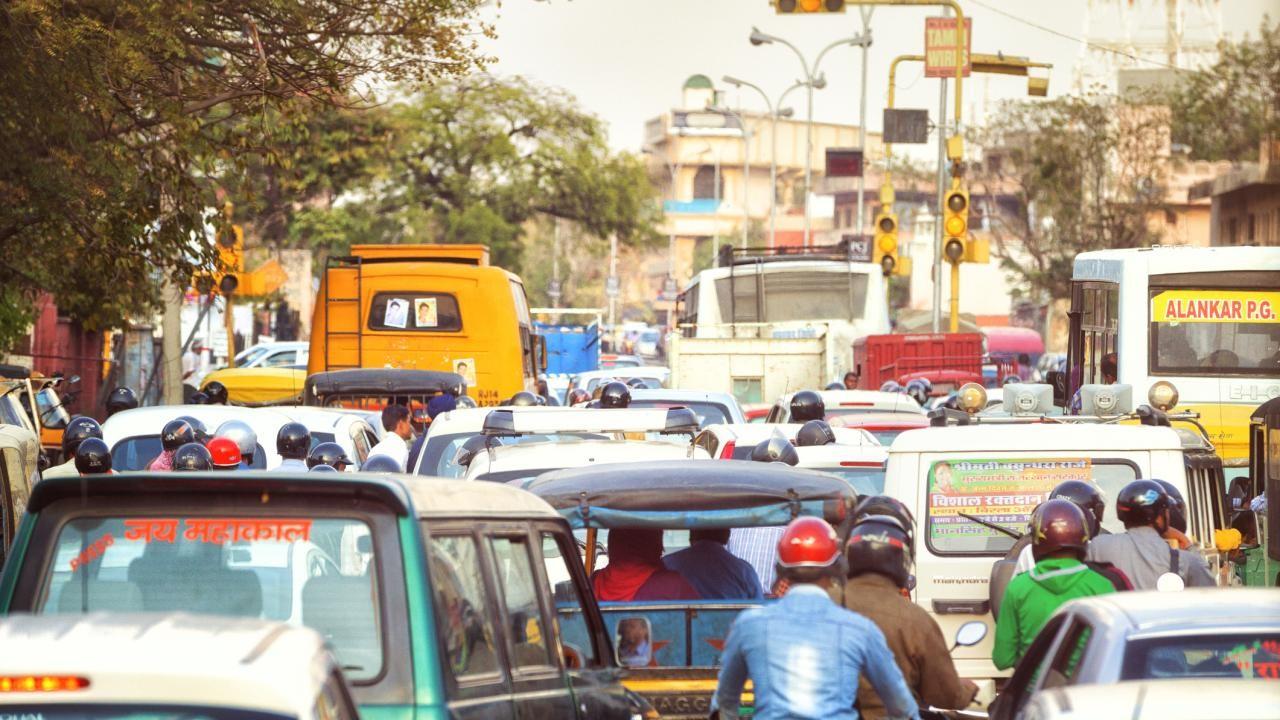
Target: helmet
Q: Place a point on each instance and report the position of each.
(809, 550)
(879, 544)
(807, 405)
(815, 432)
(176, 433)
(381, 463)
(834, 386)
(216, 391)
(918, 389)
(1056, 525)
(1177, 506)
(239, 432)
(122, 398)
(885, 506)
(615, 395)
(776, 449)
(524, 398)
(202, 433)
(93, 457)
(80, 428)
(293, 441)
(224, 453)
(1087, 497)
(890, 386)
(199, 397)
(323, 468)
(466, 401)
(1141, 502)
(328, 453)
(579, 396)
(637, 383)
(192, 456)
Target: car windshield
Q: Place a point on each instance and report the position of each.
(250, 355)
(865, 480)
(313, 571)
(136, 453)
(97, 711)
(708, 413)
(440, 451)
(1218, 655)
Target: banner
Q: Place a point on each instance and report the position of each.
(1216, 306)
(1000, 491)
(940, 47)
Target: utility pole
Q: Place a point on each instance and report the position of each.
(862, 112)
(941, 181)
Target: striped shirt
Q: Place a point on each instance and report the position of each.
(759, 547)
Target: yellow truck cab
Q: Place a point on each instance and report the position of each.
(427, 307)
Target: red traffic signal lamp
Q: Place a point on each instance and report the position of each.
(797, 7)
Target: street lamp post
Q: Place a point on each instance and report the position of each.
(776, 111)
(812, 81)
(746, 164)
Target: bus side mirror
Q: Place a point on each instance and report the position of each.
(540, 352)
(1058, 380)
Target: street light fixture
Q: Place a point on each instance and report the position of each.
(776, 111)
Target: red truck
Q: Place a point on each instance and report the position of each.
(948, 360)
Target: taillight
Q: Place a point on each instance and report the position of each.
(860, 463)
(42, 683)
(727, 452)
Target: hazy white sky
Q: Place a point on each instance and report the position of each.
(626, 60)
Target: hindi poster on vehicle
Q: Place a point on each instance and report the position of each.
(1000, 491)
(397, 313)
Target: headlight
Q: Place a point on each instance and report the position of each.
(971, 398)
(1163, 395)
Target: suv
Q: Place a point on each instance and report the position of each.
(436, 596)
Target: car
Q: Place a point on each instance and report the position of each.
(450, 430)
(273, 354)
(652, 374)
(756, 412)
(1157, 700)
(850, 402)
(1202, 634)
(726, 441)
(352, 429)
(885, 426)
(259, 386)
(134, 435)
(508, 463)
(862, 466)
(710, 407)
(167, 665)
(610, 361)
(648, 343)
(465, 565)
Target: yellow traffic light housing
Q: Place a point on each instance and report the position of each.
(230, 258)
(797, 7)
(955, 222)
(885, 242)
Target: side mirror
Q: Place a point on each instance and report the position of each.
(635, 642)
(971, 633)
(1058, 380)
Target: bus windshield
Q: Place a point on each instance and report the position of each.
(1215, 332)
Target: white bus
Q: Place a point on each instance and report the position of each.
(1205, 319)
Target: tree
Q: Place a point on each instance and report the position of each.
(1073, 174)
(1224, 111)
(116, 113)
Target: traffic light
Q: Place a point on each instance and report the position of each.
(886, 242)
(797, 7)
(955, 222)
(230, 258)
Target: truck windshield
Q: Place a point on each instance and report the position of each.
(313, 571)
(1216, 332)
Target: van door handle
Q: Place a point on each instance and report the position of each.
(961, 607)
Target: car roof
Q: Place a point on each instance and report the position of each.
(675, 394)
(151, 420)
(149, 659)
(833, 454)
(462, 420)
(316, 418)
(579, 451)
(1036, 437)
(880, 419)
(875, 399)
(1166, 699)
(1207, 609)
(450, 497)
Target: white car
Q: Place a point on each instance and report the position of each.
(134, 435)
(846, 402)
(653, 374)
(862, 466)
(710, 407)
(274, 354)
(100, 666)
(354, 430)
(735, 441)
(1180, 699)
(449, 430)
(507, 463)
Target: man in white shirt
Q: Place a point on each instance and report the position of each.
(399, 431)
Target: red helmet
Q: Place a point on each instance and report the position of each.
(225, 453)
(809, 549)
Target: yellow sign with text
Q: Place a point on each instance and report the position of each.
(1216, 306)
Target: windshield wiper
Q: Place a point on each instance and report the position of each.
(993, 526)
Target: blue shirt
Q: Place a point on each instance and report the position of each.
(759, 547)
(804, 655)
(715, 573)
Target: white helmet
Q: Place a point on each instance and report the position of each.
(239, 432)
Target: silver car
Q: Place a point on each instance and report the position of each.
(1193, 634)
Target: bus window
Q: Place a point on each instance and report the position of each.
(1215, 332)
(1098, 304)
(414, 311)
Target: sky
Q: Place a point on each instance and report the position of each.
(626, 60)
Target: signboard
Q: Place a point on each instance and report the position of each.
(905, 127)
(844, 162)
(1216, 306)
(669, 289)
(940, 47)
(611, 286)
(859, 247)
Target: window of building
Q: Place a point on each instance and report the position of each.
(705, 185)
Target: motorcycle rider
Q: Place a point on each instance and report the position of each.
(224, 454)
(293, 441)
(807, 405)
(1141, 551)
(80, 428)
(804, 654)
(239, 432)
(192, 457)
(328, 453)
(615, 395)
(121, 399)
(216, 392)
(879, 560)
(173, 435)
(93, 457)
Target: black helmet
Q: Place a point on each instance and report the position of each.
(176, 433)
(524, 398)
(1087, 497)
(807, 405)
(192, 456)
(93, 457)
(1057, 525)
(202, 433)
(1177, 506)
(122, 398)
(216, 391)
(879, 544)
(381, 463)
(815, 432)
(885, 506)
(293, 441)
(776, 449)
(328, 453)
(322, 468)
(834, 386)
(80, 428)
(199, 397)
(1141, 502)
(615, 395)
(918, 389)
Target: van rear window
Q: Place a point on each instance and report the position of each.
(414, 311)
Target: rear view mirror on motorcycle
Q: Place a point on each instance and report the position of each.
(970, 634)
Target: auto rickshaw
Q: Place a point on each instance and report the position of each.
(684, 638)
(374, 388)
(19, 472)
(43, 409)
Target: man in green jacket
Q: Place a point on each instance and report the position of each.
(1059, 538)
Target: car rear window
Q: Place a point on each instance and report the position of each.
(866, 480)
(1003, 491)
(136, 453)
(312, 571)
(1248, 656)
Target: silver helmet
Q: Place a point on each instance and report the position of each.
(239, 432)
